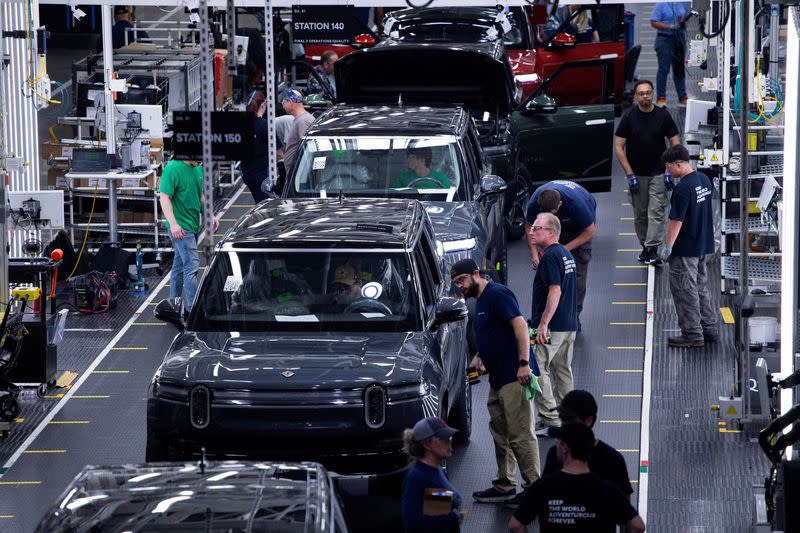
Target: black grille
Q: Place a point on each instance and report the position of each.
(200, 406)
(375, 406)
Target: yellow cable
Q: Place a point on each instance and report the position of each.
(86, 234)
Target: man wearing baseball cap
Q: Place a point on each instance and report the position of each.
(580, 406)
(574, 498)
(501, 334)
(346, 284)
(292, 102)
(429, 443)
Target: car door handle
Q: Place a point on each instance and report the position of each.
(596, 122)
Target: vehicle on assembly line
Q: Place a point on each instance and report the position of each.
(213, 496)
(321, 317)
(527, 143)
(365, 151)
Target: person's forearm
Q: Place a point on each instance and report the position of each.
(553, 296)
(166, 207)
(661, 25)
(523, 340)
(675, 139)
(673, 228)
(582, 238)
(623, 159)
(532, 248)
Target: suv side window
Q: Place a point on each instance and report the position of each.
(427, 266)
(423, 270)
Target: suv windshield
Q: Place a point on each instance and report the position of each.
(509, 28)
(423, 168)
(306, 291)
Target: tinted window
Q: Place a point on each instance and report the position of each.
(379, 166)
(306, 291)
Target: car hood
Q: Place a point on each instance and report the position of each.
(453, 220)
(478, 76)
(294, 360)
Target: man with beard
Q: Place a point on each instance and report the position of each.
(503, 349)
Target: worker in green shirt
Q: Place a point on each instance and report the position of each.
(181, 189)
(419, 174)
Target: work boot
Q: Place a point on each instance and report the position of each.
(652, 256)
(492, 495)
(710, 336)
(684, 342)
(642, 255)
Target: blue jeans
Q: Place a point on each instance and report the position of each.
(667, 57)
(185, 264)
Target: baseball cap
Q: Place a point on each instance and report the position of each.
(292, 95)
(577, 404)
(432, 427)
(465, 266)
(345, 274)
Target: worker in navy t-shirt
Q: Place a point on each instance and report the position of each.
(555, 318)
(576, 209)
(690, 237)
(503, 350)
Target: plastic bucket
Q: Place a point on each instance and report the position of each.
(763, 329)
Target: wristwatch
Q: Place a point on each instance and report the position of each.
(523, 362)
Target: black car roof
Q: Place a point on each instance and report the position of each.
(328, 223)
(357, 120)
(485, 15)
(495, 49)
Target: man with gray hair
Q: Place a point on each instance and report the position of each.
(293, 105)
(555, 318)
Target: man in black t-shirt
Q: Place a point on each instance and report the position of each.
(580, 406)
(574, 499)
(638, 144)
(554, 316)
(690, 237)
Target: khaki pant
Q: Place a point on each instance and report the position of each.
(510, 422)
(649, 209)
(555, 357)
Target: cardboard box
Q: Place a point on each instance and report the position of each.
(55, 177)
(437, 502)
(144, 217)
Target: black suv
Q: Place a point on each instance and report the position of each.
(373, 151)
(314, 335)
(528, 142)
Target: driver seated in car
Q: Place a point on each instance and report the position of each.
(346, 284)
(419, 174)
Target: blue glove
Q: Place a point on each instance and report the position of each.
(668, 183)
(666, 251)
(633, 183)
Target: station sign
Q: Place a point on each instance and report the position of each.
(232, 135)
(325, 24)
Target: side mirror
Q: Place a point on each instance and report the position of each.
(169, 310)
(489, 185)
(363, 40)
(449, 309)
(561, 41)
(541, 103)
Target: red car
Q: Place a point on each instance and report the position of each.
(539, 46)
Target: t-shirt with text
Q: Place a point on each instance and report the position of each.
(605, 461)
(691, 203)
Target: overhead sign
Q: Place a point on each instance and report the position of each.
(325, 24)
(232, 135)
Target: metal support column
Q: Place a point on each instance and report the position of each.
(111, 138)
(206, 107)
(5, 245)
(774, 43)
(744, 108)
(270, 88)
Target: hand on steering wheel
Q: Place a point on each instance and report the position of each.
(427, 178)
(366, 305)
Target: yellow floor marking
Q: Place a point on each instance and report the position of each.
(620, 421)
(91, 396)
(111, 372)
(19, 420)
(66, 378)
(626, 323)
(54, 396)
(631, 266)
(626, 234)
(632, 450)
(247, 192)
(621, 370)
(153, 303)
(228, 219)
(20, 482)
(149, 324)
(723, 430)
(625, 190)
(626, 218)
(626, 347)
(629, 284)
(625, 204)
(62, 422)
(241, 205)
(727, 315)
(628, 250)
(7, 516)
(217, 234)
(45, 451)
(628, 303)
(634, 481)
(622, 395)
(122, 348)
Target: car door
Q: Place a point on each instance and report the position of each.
(555, 48)
(551, 141)
(490, 206)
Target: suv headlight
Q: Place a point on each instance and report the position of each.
(459, 245)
